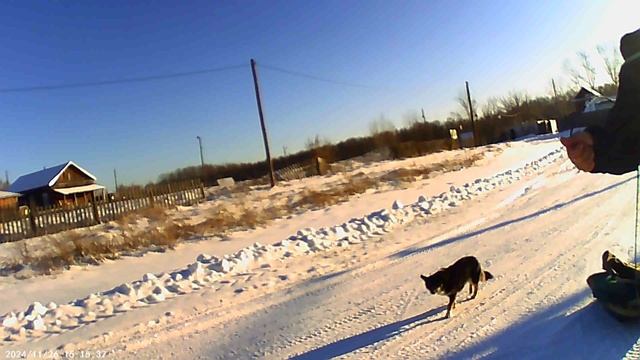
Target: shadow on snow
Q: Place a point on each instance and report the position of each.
(555, 332)
(370, 337)
(587, 333)
(408, 252)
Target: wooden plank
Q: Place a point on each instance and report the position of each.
(94, 208)
(32, 218)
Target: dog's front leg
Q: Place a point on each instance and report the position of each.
(452, 303)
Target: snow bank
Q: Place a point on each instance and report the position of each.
(38, 319)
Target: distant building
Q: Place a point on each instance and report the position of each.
(65, 184)
(599, 103)
(584, 95)
(589, 100)
(465, 139)
(591, 108)
(8, 200)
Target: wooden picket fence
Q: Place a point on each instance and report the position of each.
(16, 224)
(312, 167)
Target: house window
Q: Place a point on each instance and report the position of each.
(45, 199)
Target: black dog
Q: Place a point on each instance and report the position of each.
(451, 280)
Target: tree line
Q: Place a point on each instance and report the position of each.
(494, 120)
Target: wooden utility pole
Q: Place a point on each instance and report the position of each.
(555, 98)
(555, 103)
(424, 118)
(115, 179)
(473, 124)
(272, 177)
(201, 159)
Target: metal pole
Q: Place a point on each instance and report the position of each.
(473, 124)
(272, 177)
(201, 159)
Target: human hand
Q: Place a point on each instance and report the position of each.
(580, 150)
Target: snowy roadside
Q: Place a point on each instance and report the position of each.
(366, 301)
(81, 280)
(208, 270)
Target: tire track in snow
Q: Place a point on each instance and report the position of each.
(412, 258)
(351, 318)
(484, 313)
(562, 259)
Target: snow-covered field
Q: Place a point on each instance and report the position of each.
(344, 281)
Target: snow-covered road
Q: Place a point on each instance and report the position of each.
(540, 236)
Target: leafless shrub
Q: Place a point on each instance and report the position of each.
(153, 213)
(322, 198)
(410, 175)
(127, 219)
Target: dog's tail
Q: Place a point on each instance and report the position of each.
(487, 275)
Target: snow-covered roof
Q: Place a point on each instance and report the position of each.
(79, 189)
(44, 178)
(586, 92)
(599, 103)
(8, 194)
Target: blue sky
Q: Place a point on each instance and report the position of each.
(409, 54)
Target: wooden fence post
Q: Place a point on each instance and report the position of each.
(94, 207)
(151, 200)
(318, 172)
(32, 217)
(202, 190)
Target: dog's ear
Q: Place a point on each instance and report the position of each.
(423, 277)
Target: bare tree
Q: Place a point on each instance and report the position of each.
(463, 101)
(612, 62)
(411, 118)
(584, 73)
(588, 69)
(514, 101)
(316, 142)
(491, 108)
(572, 73)
(454, 120)
(381, 125)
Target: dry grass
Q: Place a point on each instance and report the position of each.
(153, 213)
(126, 220)
(316, 199)
(360, 183)
(81, 248)
(221, 220)
(410, 175)
(78, 247)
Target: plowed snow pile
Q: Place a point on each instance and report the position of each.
(344, 281)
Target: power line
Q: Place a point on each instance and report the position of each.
(120, 81)
(314, 77)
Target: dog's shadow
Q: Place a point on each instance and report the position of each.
(371, 337)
